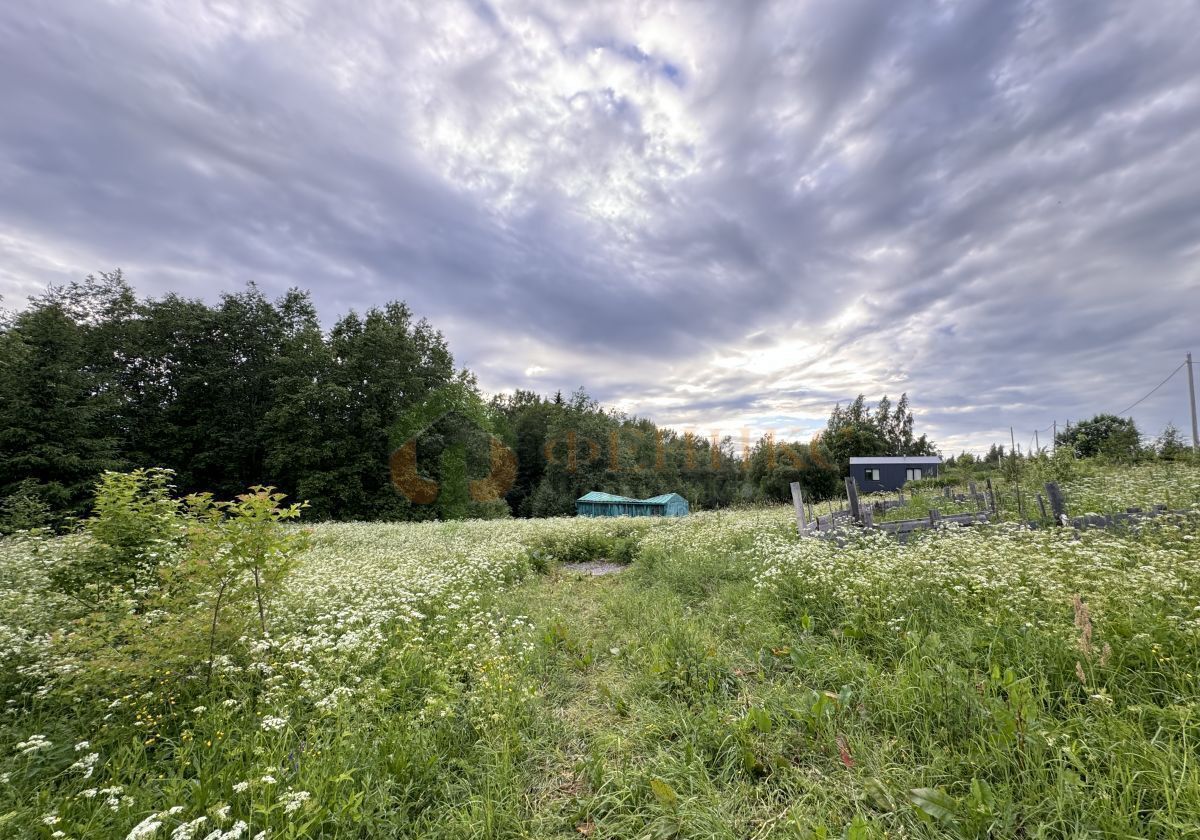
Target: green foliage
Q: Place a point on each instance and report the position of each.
(772, 467)
(566, 447)
(94, 379)
(168, 583)
(617, 543)
(1170, 445)
(136, 528)
(735, 681)
(1059, 466)
(57, 410)
(24, 510)
(251, 546)
(1113, 437)
(855, 431)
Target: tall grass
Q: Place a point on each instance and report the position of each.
(428, 680)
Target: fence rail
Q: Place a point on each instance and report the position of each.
(862, 516)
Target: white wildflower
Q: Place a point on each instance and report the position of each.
(234, 833)
(34, 744)
(87, 764)
(146, 828)
(184, 831)
(293, 800)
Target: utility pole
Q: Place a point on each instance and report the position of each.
(1012, 439)
(1192, 395)
(1054, 440)
(1037, 444)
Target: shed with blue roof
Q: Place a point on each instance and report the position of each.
(606, 504)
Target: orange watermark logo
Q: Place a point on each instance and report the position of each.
(450, 400)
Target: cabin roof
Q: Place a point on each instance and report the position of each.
(597, 496)
(898, 459)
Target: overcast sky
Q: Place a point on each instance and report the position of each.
(718, 215)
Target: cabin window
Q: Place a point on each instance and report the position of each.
(912, 474)
(871, 475)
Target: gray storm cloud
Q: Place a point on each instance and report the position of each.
(719, 215)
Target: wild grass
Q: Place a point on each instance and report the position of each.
(450, 680)
(1088, 488)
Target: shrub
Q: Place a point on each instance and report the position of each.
(24, 510)
(136, 527)
(171, 583)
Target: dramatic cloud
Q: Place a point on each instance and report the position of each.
(720, 215)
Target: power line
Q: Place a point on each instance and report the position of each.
(1121, 413)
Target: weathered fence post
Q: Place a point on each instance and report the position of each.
(1042, 504)
(991, 494)
(852, 496)
(868, 518)
(798, 502)
(934, 516)
(1057, 504)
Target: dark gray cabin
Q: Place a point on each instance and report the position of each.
(888, 474)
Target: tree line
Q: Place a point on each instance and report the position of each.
(1106, 436)
(369, 419)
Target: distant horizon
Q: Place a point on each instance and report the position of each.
(721, 217)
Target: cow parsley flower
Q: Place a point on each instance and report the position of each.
(87, 764)
(185, 831)
(293, 800)
(234, 833)
(35, 743)
(146, 828)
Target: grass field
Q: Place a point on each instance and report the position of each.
(450, 680)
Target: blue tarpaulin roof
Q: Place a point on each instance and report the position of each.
(597, 496)
(598, 503)
(663, 499)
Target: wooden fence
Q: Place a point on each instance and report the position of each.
(859, 515)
